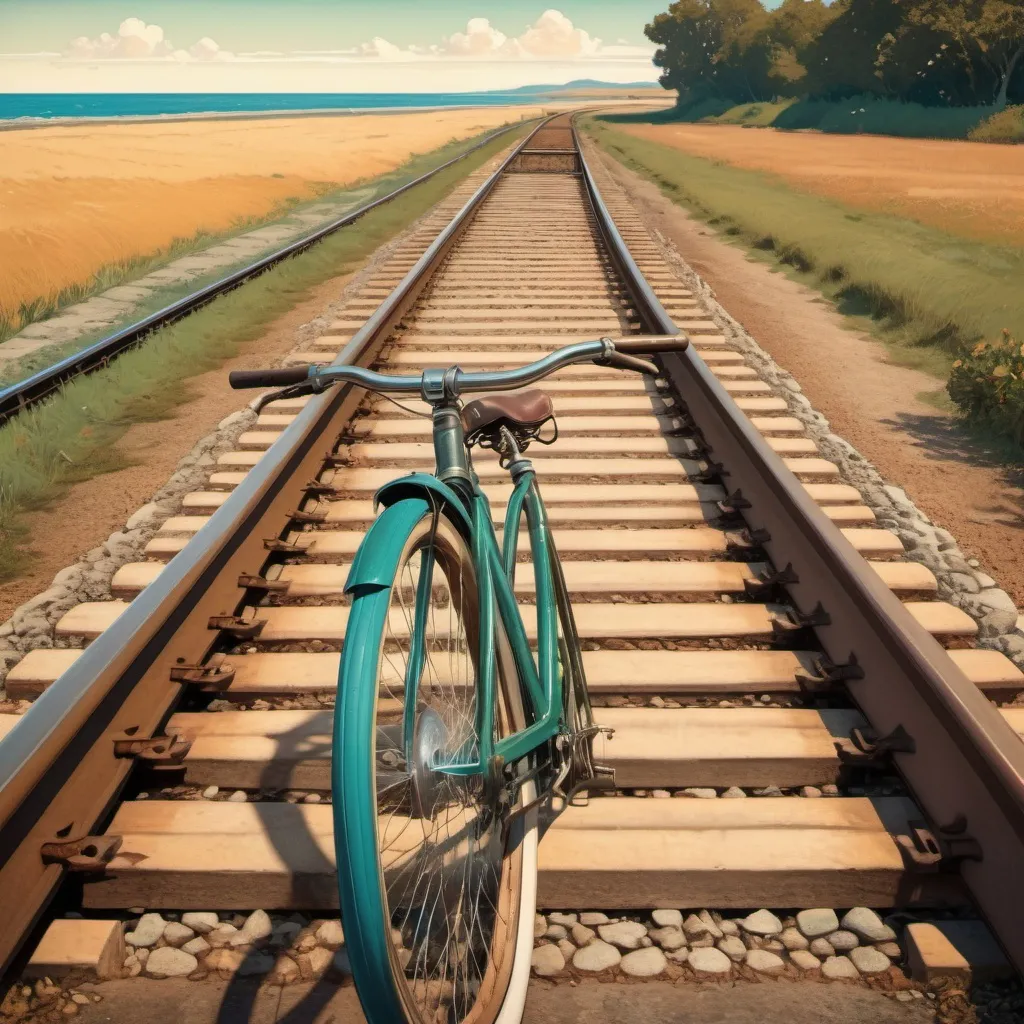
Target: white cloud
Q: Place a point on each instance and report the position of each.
(480, 39)
(135, 40)
(554, 35)
(383, 50)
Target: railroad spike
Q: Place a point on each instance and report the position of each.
(281, 547)
(864, 748)
(90, 854)
(824, 675)
(250, 581)
(925, 850)
(237, 627)
(162, 750)
(769, 583)
(308, 517)
(216, 674)
(734, 503)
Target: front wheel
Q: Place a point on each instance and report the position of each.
(437, 907)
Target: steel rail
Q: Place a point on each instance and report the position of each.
(59, 774)
(17, 397)
(960, 758)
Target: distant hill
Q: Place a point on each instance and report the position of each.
(579, 83)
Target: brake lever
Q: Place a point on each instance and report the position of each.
(295, 391)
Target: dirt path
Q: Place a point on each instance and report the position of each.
(869, 401)
(95, 508)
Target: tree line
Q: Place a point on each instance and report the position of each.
(934, 52)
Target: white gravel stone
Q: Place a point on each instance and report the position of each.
(556, 932)
(818, 922)
(667, 918)
(890, 949)
(540, 925)
(869, 960)
(729, 927)
(644, 963)
(763, 962)
(168, 962)
(810, 791)
(843, 941)
(330, 934)
(762, 922)
(547, 960)
(597, 956)
(668, 938)
(147, 931)
(868, 925)
(581, 934)
(804, 960)
(238, 797)
(592, 918)
(838, 968)
(197, 946)
(700, 793)
(822, 948)
(565, 920)
(732, 946)
(210, 792)
(709, 961)
(695, 928)
(624, 934)
(257, 926)
(714, 929)
(222, 935)
(792, 939)
(734, 793)
(176, 934)
(567, 948)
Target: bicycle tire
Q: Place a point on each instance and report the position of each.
(406, 966)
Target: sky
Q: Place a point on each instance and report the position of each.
(319, 45)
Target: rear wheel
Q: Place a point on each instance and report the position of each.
(436, 907)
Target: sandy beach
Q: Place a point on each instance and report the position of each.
(76, 198)
(966, 188)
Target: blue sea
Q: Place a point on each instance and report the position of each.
(106, 105)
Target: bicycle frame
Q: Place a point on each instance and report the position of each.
(495, 575)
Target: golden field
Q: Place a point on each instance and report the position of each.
(74, 199)
(966, 188)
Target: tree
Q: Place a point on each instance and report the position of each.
(718, 48)
(841, 62)
(794, 26)
(986, 32)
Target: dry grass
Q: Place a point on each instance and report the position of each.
(77, 200)
(73, 436)
(959, 187)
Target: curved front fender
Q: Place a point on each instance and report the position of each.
(376, 561)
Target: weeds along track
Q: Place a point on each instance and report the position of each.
(749, 632)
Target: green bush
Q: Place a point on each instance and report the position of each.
(1006, 126)
(987, 386)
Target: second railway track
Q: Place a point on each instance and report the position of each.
(727, 659)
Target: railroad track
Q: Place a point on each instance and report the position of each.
(747, 627)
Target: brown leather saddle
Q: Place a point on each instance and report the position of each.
(522, 413)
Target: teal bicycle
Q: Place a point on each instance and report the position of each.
(452, 736)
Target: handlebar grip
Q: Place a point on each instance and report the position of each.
(621, 361)
(650, 343)
(282, 377)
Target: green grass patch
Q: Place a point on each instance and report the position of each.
(860, 115)
(929, 295)
(73, 436)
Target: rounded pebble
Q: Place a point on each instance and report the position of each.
(147, 931)
(168, 962)
(868, 960)
(238, 797)
(817, 923)
(200, 921)
(732, 946)
(565, 920)
(843, 941)
(597, 956)
(822, 947)
(210, 792)
(624, 934)
(176, 934)
(581, 934)
(709, 961)
(804, 960)
(839, 968)
(762, 922)
(667, 918)
(547, 960)
(792, 939)
(592, 918)
(540, 926)
(644, 963)
(764, 962)
(867, 924)
(734, 793)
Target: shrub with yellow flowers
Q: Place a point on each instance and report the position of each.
(987, 385)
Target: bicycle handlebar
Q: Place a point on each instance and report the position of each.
(618, 354)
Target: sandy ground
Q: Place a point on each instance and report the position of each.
(177, 1001)
(93, 509)
(967, 188)
(870, 402)
(75, 198)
